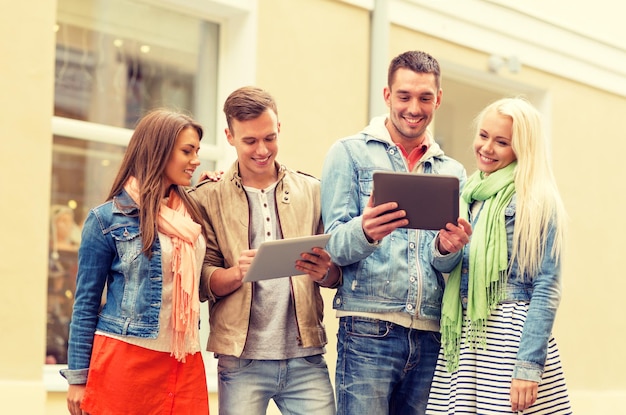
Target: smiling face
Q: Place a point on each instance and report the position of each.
(412, 99)
(492, 144)
(183, 159)
(256, 143)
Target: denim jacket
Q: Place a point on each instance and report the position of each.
(542, 292)
(110, 253)
(394, 274)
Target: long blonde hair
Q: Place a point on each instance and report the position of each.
(539, 205)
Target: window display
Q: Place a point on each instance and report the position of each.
(115, 60)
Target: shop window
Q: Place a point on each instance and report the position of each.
(115, 61)
(82, 173)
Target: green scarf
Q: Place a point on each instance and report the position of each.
(488, 263)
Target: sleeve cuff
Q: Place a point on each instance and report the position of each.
(527, 371)
(76, 376)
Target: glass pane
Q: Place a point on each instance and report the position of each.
(116, 59)
(82, 174)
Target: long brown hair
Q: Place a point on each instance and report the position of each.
(148, 152)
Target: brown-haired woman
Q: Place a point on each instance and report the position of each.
(138, 352)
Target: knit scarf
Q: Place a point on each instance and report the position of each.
(174, 221)
(488, 263)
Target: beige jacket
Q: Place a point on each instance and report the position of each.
(226, 214)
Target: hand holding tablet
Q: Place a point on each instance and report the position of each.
(430, 200)
(275, 259)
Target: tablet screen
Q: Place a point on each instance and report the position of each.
(275, 259)
(430, 200)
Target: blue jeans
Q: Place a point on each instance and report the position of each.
(298, 386)
(383, 368)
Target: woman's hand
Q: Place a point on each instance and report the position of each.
(214, 176)
(523, 394)
(75, 395)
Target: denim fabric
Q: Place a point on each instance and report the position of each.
(542, 291)
(383, 368)
(110, 253)
(394, 275)
(299, 386)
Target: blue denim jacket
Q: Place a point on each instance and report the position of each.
(110, 253)
(395, 274)
(542, 292)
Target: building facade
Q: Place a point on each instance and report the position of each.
(77, 74)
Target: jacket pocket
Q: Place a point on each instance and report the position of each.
(128, 242)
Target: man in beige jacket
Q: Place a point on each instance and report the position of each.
(268, 335)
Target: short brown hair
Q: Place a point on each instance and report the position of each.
(416, 61)
(247, 103)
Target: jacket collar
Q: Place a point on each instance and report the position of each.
(233, 173)
(124, 204)
(377, 131)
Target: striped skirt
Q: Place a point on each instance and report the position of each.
(481, 384)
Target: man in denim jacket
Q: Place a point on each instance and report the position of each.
(389, 304)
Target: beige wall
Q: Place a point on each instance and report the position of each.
(27, 49)
(313, 56)
(589, 327)
(318, 71)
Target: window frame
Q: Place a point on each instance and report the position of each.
(236, 50)
(93, 132)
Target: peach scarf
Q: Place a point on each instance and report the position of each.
(175, 222)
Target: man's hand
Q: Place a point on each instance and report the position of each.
(454, 237)
(226, 280)
(379, 221)
(316, 264)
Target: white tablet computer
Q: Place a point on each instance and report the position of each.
(430, 200)
(275, 259)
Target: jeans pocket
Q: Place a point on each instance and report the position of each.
(435, 336)
(367, 327)
(231, 364)
(315, 360)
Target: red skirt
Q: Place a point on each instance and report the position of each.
(125, 379)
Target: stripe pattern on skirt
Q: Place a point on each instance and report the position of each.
(481, 384)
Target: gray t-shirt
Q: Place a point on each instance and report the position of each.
(273, 332)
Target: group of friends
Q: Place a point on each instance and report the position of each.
(457, 320)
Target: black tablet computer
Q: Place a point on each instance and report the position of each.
(430, 200)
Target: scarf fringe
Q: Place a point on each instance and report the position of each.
(451, 346)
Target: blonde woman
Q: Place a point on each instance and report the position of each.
(498, 355)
